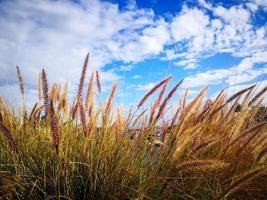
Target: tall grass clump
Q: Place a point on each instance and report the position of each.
(208, 149)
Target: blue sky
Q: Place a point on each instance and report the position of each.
(222, 44)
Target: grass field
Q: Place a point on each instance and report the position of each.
(208, 149)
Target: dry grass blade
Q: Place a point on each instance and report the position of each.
(98, 83)
(21, 82)
(54, 126)
(257, 96)
(148, 94)
(166, 100)
(45, 92)
(8, 137)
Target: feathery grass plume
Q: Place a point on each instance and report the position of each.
(166, 100)
(201, 146)
(85, 64)
(185, 97)
(199, 163)
(90, 93)
(8, 137)
(74, 109)
(22, 100)
(243, 180)
(175, 117)
(261, 154)
(45, 92)
(21, 82)
(158, 101)
(111, 97)
(243, 146)
(141, 132)
(252, 130)
(234, 96)
(257, 96)
(33, 111)
(53, 92)
(150, 92)
(40, 86)
(63, 101)
(82, 116)
(98, 83)
(54, 126)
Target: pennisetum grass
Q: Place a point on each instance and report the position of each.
(45, 92)
(8, 137)
(150, 92)
(98, 82)
(206, 150)
(54, 126)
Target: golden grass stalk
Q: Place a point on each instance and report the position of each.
(85, 64)
(82, 117)
(74, 109)
(138, 118)
(150, 92)
(234, 96)
(8, 137)
(33, 111)
(40, 86)
(98, 83)
(175, 117)
(257, 96)
(201, 146)
(158, 101)
(89, 101)
(166, 100)
(198, 163)
(54, 127)
(63, 101)
(111, 97)
(252, 130)
(45, 92)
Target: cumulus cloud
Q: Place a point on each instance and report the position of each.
(245, 71)
(56, 35)
(145, 87)
(229, 30)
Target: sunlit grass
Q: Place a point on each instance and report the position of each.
(61, 150)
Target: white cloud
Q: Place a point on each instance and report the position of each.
(126, 68)
(136, 76)
(145, 87)
(56, 35)
(230, 30)
(244, 72)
